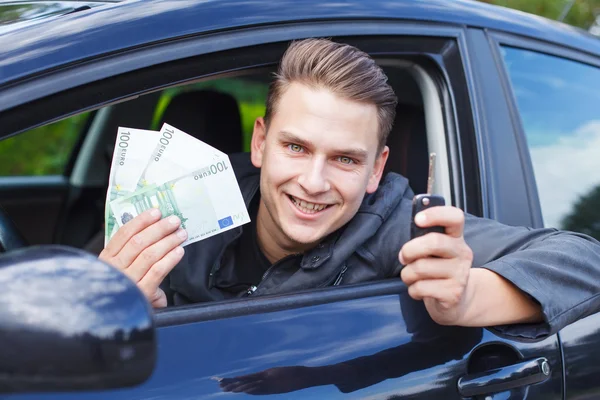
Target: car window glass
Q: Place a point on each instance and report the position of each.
(45, 150)
(558, 103)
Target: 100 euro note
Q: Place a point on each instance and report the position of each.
(133, 147)
(208, 201)
(175, 153)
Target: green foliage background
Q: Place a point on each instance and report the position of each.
(41, 151)
(585, 214)
(582, 14)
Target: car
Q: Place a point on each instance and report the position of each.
(508, 102)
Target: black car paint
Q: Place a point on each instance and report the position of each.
(330, 326)
(70, 322)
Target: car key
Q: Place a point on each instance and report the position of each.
(424, 201)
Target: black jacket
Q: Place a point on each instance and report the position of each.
(560, 270)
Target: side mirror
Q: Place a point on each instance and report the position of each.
(71, 322)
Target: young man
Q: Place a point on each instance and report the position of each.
(321, 217)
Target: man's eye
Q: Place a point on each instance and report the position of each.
(296, 148)
(346, 160)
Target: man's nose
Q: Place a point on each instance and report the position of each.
(313, 179)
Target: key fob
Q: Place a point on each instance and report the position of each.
(422, 202)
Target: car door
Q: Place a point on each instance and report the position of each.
(553, 96)
(364, 341)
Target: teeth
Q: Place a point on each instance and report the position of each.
(309, 208)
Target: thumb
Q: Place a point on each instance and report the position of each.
(159, 299)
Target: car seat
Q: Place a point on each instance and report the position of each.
(408, 147)
(208, 115)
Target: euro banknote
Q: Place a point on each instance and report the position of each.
(208, 201)
(180, 175)
(132, 149)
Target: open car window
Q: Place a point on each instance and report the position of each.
(220, 99)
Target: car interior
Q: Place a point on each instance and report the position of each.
(217, 111)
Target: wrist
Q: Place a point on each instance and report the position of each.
(470, 310)
(491, 300)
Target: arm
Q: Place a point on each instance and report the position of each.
(491, 300)
(559, 269)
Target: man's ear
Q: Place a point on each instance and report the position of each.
(257, 145)
(378, 170)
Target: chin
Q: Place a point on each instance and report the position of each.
(305, 236)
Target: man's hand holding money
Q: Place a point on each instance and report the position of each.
(146, 249)
(166, 190)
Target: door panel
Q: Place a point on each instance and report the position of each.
(581, 354)
(34, 204)
(378, 347)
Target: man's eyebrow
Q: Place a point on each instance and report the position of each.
(290, 137)
(351, 152)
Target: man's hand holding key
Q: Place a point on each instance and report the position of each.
(437, 269)
(166, 190)
(437, 266)
(437, 259)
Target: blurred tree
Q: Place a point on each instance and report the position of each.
(582, 13)
(17, 11)
(585, 215)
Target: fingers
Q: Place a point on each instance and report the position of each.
(156, 252)
(432, 268)
(438, 289)
(451, 218)
(430, 245)
(142, 244)
(156, 272)
(127, 231)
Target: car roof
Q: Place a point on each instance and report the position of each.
(112, 27)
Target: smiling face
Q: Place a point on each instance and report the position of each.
(318, 159)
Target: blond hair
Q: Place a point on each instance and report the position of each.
(343, 69)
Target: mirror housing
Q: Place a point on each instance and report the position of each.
(70, 322)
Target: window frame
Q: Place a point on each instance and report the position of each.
(117, 78)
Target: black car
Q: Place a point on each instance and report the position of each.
(508, 101)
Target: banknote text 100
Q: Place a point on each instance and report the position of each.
(123, 139)
(164, 141)
(211, 170)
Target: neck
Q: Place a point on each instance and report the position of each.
(271, 244)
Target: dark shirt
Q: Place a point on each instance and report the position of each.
(251, 262)
(251, 265)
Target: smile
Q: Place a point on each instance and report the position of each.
(306, 207)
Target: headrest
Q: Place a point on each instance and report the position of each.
(208, 115)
